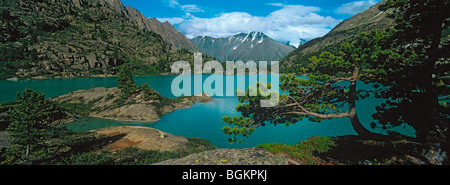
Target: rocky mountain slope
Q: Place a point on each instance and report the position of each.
(254, 46)
(72, 38)
(174, 38)
(371, 19)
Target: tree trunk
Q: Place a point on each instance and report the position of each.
(434, 137)
(359, 128)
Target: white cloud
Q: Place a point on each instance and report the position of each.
(289, 23)
(191, 8)
(355, 7)
(174, 3)
(185, 8)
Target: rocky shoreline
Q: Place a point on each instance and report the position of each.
(105, 103)
(144, 138)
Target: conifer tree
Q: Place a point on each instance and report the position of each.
(328, 91)
(415, 65)
(31, 118)
(125, 82)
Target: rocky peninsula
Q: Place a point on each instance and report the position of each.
(106, 103)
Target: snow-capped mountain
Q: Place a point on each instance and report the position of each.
(254, 46)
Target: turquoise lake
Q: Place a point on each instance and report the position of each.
(203, 120)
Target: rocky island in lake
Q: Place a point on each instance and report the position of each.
(126, 102)
(106, 103)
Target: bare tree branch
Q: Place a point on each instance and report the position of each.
(323, 116)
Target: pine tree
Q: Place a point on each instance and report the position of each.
(415, 65)
(30, 119)
(125, 82)
(328, 92)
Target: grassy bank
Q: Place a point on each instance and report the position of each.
(350, 150)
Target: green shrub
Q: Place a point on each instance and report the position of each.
(305, 150)
(102, 158)
(109, 97)
(135, 156)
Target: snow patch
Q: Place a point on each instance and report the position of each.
(246, 37)
(254, 36)
(260, 41)
(229, 39)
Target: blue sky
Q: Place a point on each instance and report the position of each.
(283, 20)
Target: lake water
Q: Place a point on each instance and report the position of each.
(203, 120)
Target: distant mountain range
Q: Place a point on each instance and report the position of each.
(254, 46)
(371, 19)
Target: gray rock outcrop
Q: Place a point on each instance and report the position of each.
(106, 103)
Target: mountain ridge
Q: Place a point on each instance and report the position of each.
(255, 46)
(168, 32)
